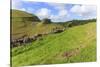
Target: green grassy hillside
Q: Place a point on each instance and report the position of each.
(21, 23)
(76, 44)
(24, 23)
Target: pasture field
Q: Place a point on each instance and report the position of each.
(75, 44)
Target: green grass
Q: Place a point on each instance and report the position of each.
(51, 49)
(22, 24)
(19, 13)
(18, 29)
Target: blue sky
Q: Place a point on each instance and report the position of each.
(57, 12)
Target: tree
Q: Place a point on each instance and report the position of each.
(46, 21)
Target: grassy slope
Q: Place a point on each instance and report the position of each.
(32, 27)
(79, 42)
(18, 28)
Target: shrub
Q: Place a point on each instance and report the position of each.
(46, 21)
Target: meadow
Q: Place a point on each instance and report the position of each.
(75, 44)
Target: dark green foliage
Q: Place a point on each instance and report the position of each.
(75, 22)
(80, 22)
(46, 21)
(35, 18)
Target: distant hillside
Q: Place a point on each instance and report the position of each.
(26, 24)
(22, 22)
(16, 14)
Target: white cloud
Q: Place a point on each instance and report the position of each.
(30, 10)
(84, 11)
(62, 12)
(61, 16)
(76, 9)
(58, 6)
(18, 4)
(55, 5)
(46, 13)
(43, 13)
